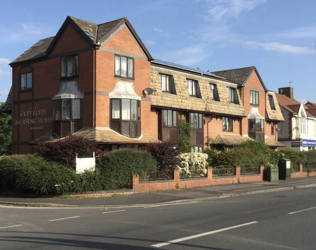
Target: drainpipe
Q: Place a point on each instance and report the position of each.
(96, 47)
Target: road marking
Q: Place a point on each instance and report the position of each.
(113, 211)
(11, 226)
(201, 235)
(65, 218)
(302, 210)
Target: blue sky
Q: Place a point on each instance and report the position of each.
(276, 36)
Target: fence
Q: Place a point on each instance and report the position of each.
(214, 176)
(305, 170)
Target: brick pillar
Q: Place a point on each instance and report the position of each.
(301, 168)
(135, 182)
(238, 173)
(209, 173)
(261, 171)
(176, 178)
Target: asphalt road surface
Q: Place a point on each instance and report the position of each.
(279, 220)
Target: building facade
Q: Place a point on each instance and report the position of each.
(101, 82)
(298, 131)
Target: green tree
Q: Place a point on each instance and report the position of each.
(185, 131)
(5, 132)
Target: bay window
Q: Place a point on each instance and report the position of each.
(125, 117)
(256, 129)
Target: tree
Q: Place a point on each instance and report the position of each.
(5, 132)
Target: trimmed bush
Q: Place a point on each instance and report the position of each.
(118, 167)
(63, 151)
(167, 157)
(33, 174)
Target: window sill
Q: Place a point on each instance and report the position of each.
(69, 78)
(25, 91)
(167, 93)
(125, 78)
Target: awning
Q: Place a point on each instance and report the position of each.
(124, 90)
(229, 140)
(68, 90)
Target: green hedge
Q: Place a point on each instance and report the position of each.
(32, 174)
(118, 167)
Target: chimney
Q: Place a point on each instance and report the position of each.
(287, 91)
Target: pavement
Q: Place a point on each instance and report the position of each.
(131, 199)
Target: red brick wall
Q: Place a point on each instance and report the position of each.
(216, 126)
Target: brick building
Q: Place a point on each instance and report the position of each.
(100, 82)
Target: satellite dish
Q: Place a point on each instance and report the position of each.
(148, 91)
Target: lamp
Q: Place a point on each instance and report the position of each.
(148, 91)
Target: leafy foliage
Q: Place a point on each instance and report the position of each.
(167, 157)
(32, 174)
(118, 167)
(185, 131)
(63, 151)
(193, 161)
(5, 132)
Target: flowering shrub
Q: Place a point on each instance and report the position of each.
(193, 162)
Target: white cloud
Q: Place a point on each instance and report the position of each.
(31, 29)
(158, 30)
(4, 61)
(304, 32)
(5, 73)
(149, 42)
(281, 47)
(222, 10)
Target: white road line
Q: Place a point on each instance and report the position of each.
(11, 226)
(113, 211)
(201, 235)
(299, 211)
(65, 218)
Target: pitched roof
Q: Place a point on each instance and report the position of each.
(93, 33)
(310, 104)
(273, 114)
(272, 143)
(288, 103)
(239, 76)
(229, 140)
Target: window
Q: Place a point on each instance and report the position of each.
(214, 92)
(124, 66)
(197, 149)
(271, 102)
(170, 118)
(254, 97)
(272, 128)
(26, 81)
(232, 95)
(125, 117)
(67, 109)
(192, 87)
(227, 124)
(165, 82)
(256, 129)
(303, 125)
(69, 66)
(196, 120)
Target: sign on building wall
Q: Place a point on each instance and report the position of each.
(295, 144)
(308, 143)
(34, 117)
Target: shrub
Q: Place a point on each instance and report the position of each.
(167, 157)
(193, 162)
(185, 131)
(118, 167)
(63, 151)
(296, 157)
(89, 181)
(32, 174)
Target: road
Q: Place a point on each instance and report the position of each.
(279, 220)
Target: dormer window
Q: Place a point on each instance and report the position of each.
(232, 95)
(272, 106)
(214, 92)
(69, 66)
(193, 88)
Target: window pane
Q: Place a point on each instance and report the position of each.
(123, 66)
(116, 109)
(69, 66)
(29, 81)
(194, 120)
(200, 149)
(63, 67)
(194, 88)
(165, 117)
(200, 120)
(212, 91)
(66, 109)
(23, 81)
(189, 82)
(75, 70)
(126, 109)
(57, 110)
(133, 110)
(138, 110)
(117, 66)
(169, 118)
(163, 82)
(175, 118)
(167, 83)
(130, 67)
(76, 109)
(251, 97)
